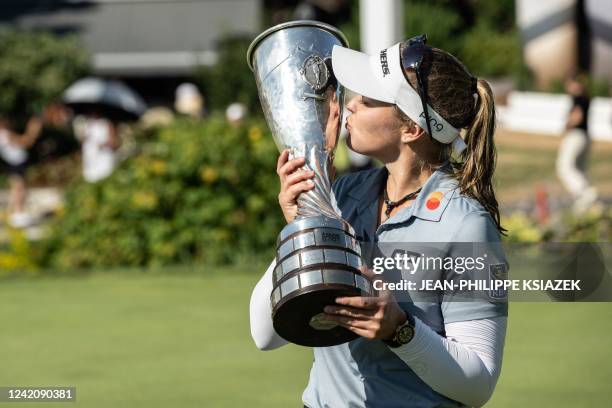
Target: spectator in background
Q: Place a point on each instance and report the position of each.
(57, 115)
(14, 152)
(189, 101)
(235, 113)
(100, 141)
(156, 116)
(573, 155)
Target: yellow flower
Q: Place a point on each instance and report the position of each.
(158, 167)
(209, 174)
(19, 256)
(255, 134)
(146, 200)
(521, 228)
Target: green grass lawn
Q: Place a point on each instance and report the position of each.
(181, 339)
(144, 341)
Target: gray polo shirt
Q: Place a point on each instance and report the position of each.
(366, 373)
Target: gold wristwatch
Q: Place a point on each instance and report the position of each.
(403, 334)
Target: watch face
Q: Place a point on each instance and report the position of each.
(404, 335)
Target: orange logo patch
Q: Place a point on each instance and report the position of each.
(433, 201)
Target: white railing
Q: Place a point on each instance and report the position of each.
(542, 113)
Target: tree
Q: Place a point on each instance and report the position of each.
(35, 68)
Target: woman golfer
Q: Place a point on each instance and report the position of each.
(412, 103)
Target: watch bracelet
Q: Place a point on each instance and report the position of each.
(394, 343)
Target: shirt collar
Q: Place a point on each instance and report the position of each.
(430, 203)
(435, 195)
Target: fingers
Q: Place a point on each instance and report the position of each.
(361, 302)
(298, 176)
(369, 317)
(288, 166)
(287, 198)
(368, 329)
(373, 277)
(350, 322)
(350, 312)
(360, 332)
(296, 189)
(293, 182)
(282, 159)
(368, 273)
(292, 192)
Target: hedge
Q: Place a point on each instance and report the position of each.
(197, 192)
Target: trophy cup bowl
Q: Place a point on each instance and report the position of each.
(318, 258)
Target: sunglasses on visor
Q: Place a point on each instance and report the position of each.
(412, 58)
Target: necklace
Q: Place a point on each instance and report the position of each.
(392, 204)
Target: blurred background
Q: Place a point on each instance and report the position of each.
(138, 193)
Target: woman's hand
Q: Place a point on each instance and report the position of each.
(293, 182)
(370, 317)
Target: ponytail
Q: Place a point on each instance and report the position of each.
(475, 175)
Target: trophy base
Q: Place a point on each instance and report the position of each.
(318, 259)
(299, 318)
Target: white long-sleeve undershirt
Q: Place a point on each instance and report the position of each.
(464, 366)
(262, 329)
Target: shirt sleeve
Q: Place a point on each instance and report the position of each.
(477, 238)
(262, 328)
(464, 366)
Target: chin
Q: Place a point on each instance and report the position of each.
(350, 144)
(356, 149)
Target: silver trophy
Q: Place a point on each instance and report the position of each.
(317, 257)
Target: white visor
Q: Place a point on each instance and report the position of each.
(380, 77)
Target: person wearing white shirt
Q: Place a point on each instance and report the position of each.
(14, 153)
(99, 145)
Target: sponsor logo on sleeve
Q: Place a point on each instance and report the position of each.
(498, 272)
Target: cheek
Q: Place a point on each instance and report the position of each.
(365, 125)
(374, 131)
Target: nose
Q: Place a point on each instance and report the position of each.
(352, 103)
